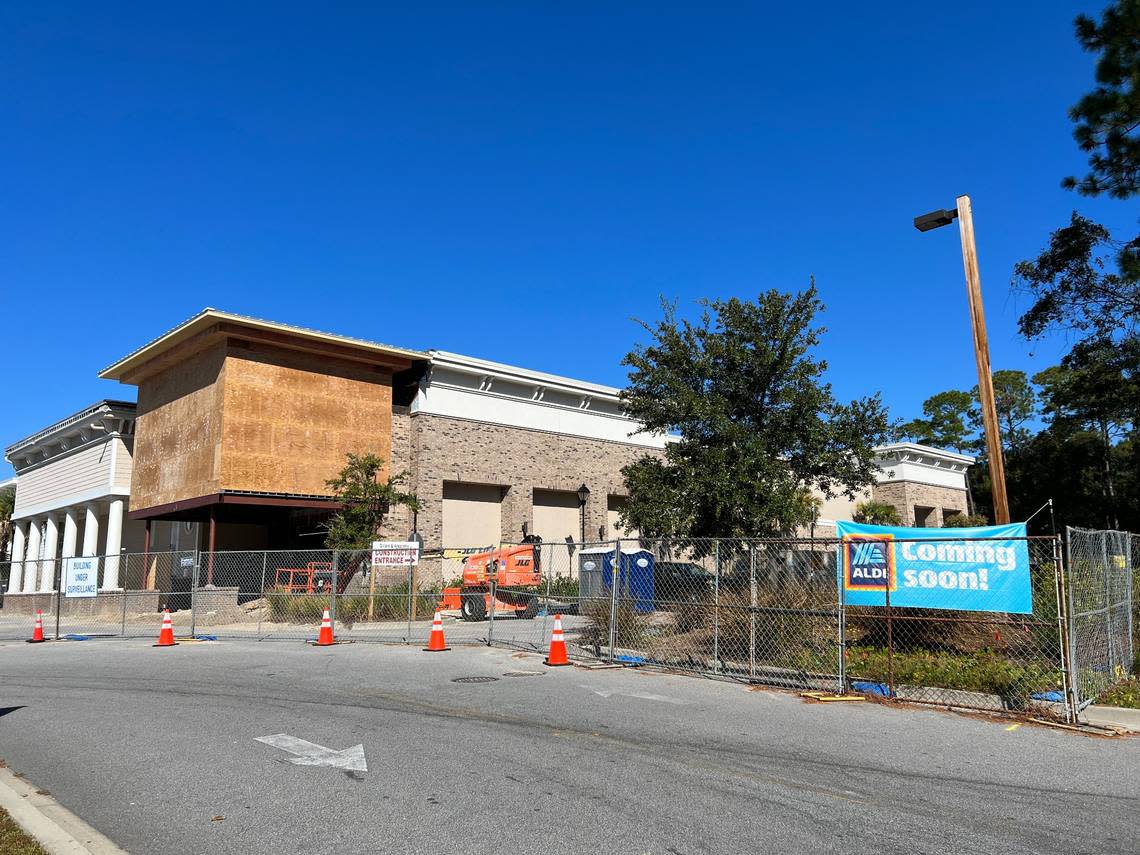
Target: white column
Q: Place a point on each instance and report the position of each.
(32, 556)
(16, 577)
(114, 542)
(70, 532)
(91, 532)
(51, 543)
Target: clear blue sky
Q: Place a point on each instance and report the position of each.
(517, 184)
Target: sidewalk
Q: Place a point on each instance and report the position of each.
(1103, 716)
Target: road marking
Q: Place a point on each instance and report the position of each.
(311, 754)
(644, 696)
(1013, 727)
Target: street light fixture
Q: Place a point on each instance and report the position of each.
(583, 496)
(964, 215)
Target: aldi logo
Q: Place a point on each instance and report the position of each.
(869, 562)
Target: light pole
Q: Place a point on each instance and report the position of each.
(583, 497)
(965, 218)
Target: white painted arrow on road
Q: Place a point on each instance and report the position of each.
(311, 754)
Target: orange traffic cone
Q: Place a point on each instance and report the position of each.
(38, 630)
(435, 640)
(325, 636)
(166, 634)
(557, 655)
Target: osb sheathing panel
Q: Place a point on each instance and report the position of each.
(290, 418)
(178, 431)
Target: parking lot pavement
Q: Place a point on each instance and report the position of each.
(159, 750)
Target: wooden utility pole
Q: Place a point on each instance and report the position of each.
(982, 355)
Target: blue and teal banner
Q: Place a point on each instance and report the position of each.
(983, 569)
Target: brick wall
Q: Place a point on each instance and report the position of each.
(437, 449)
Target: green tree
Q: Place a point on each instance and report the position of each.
(1072, 283)
(7, 505)
(755, 427)
(876, 513)
(1096, 388)
(944, 425)
(1016, 405)
(366, 498)
(1108, 117)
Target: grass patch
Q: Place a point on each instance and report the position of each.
(14, 840)
(1123, 694)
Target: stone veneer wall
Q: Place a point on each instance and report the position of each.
(434, 449)
(904, 495)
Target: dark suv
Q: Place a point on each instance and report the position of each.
(681, 581)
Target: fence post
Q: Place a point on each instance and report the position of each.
(890, 645)
(492, 584)
(411, 601)
(194, 593)
(1128, 610)
(615, 582)
(333, 586)
(123, 625)
(716, 612)
(752, 617)
(1109, 633)
(261, 611)
(1067, 673)
(841, 601)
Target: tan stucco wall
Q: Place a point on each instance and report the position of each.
(178, 431)
(255, 417)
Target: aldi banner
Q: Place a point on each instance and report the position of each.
(983, 569)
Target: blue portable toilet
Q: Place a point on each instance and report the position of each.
(635, 575)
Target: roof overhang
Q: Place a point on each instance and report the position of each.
(212, 325)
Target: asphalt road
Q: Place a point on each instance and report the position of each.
(157, 749)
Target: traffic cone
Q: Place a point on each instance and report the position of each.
(325, 636)
(38, 630)
(435, 640)
(166, 634)
(557, 655)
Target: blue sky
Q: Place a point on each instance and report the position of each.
(517, 183)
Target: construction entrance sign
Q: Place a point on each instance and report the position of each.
(395, 553)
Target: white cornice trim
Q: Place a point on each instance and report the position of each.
(475, 366)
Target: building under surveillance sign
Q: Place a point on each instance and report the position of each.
(983, 569)
(80, 576)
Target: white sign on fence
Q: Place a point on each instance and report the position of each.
(80, 577)
(395, 553)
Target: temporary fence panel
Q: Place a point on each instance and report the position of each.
(1101, 571)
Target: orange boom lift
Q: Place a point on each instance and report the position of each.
(510, 575)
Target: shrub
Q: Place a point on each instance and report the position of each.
(564, 588)
(876, 513)
(964, 521)
(630, 632)
(985, 671)
(1123, 694)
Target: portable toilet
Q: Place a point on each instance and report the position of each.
(635, 575)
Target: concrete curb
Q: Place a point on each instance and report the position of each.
(57, 829)
(1128, 719)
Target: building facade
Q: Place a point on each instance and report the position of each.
(73, 484)
(240, 423)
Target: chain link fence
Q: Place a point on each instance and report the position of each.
(764, 611)
(1103, 567)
